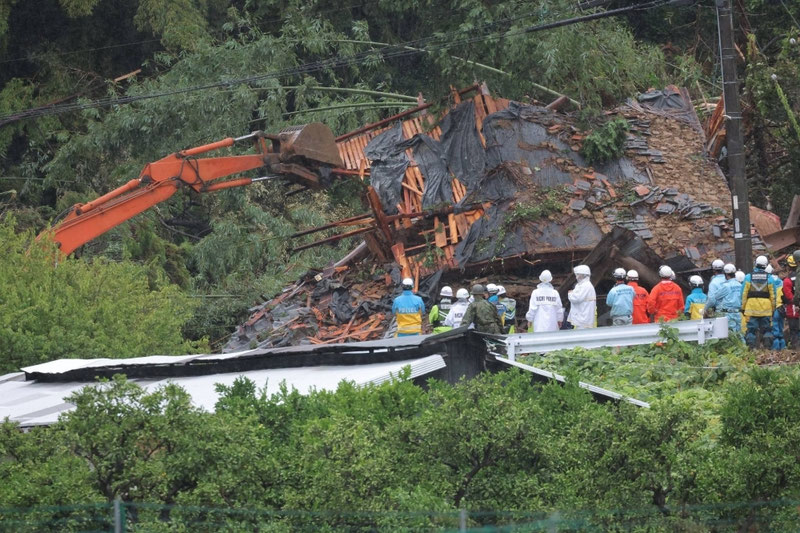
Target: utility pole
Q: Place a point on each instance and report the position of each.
(742, 243)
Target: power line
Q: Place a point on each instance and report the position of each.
(393, 52)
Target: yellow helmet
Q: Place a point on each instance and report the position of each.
(791, 262)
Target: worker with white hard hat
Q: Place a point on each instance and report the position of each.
(620, 300)
(640, 315)
(458, 309)
(728, 300)
(582, 299)
(718, 278)
(494, 299)
(696, 301)
(545, 311)
(510, 310)
(758, 304)
(408, 309)
(439, 311)
(666, 299)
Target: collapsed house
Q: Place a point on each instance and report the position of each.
(499, 189)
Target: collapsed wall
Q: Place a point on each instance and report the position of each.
(500, 186)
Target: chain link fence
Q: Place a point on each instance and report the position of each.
(118, 517)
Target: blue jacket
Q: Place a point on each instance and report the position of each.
(716, 282)
(695, 303)
(620, 300)
(494, 299)
(408, 308)
(728, 298)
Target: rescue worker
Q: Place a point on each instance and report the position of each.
(778, 322)
(728, 299)
(740, 279)
(439, 311)
(408, 309)
(718, 278)
(458, 309)
(639, 299)
(494, 299)
(696, 301)
(620, 300)
(545, 311)
(792, 315)
(481, 313)
(796, 256)
(582, 299)
(758, 303)
(666, 299)
(510, 307)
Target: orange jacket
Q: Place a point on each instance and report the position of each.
(639, 304)
(665, 301)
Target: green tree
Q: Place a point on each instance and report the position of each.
(74, 308)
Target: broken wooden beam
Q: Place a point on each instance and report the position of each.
(333, 238)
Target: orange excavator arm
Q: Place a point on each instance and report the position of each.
(296, 154)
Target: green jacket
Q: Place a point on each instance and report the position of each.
(484, 315)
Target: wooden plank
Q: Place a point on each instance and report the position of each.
(355, 153)
(342, 153)
(451, 220)
(491, 106)
(412, 188)
(439, 236)
(448, 253)
(462, 223)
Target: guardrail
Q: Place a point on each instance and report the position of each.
(687, 330)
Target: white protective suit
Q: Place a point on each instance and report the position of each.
(545, 310)
(456, 313)
(584, 306)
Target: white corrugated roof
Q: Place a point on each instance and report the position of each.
(34, 403)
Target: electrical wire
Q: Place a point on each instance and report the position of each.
(421, 46)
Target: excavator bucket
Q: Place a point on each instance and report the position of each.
(313, 142)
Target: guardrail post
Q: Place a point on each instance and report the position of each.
(119, 516)
(462, 520)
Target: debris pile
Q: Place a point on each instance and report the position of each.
(495, 186)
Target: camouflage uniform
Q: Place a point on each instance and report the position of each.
(484, 315)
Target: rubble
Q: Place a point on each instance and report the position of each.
(500, 188)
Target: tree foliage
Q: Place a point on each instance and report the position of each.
(497, 442)
(65, 308)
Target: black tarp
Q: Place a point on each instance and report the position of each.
(431, 160)
(462, 146)
(489, 237)
(389, 163)
(518, 133)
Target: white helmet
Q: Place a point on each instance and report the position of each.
(717, 264)
(696, 281)
(739, 276)
(762, 261)
(619, 273)
(501, 290)
(665, 272)
(633, 275)
(730, 268)
(408, 283)
(545, 276)
(769, 269)
(446, 292)
(491, 288)
(582, 270)
(462, 294)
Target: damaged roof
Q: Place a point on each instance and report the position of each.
(493, 181)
